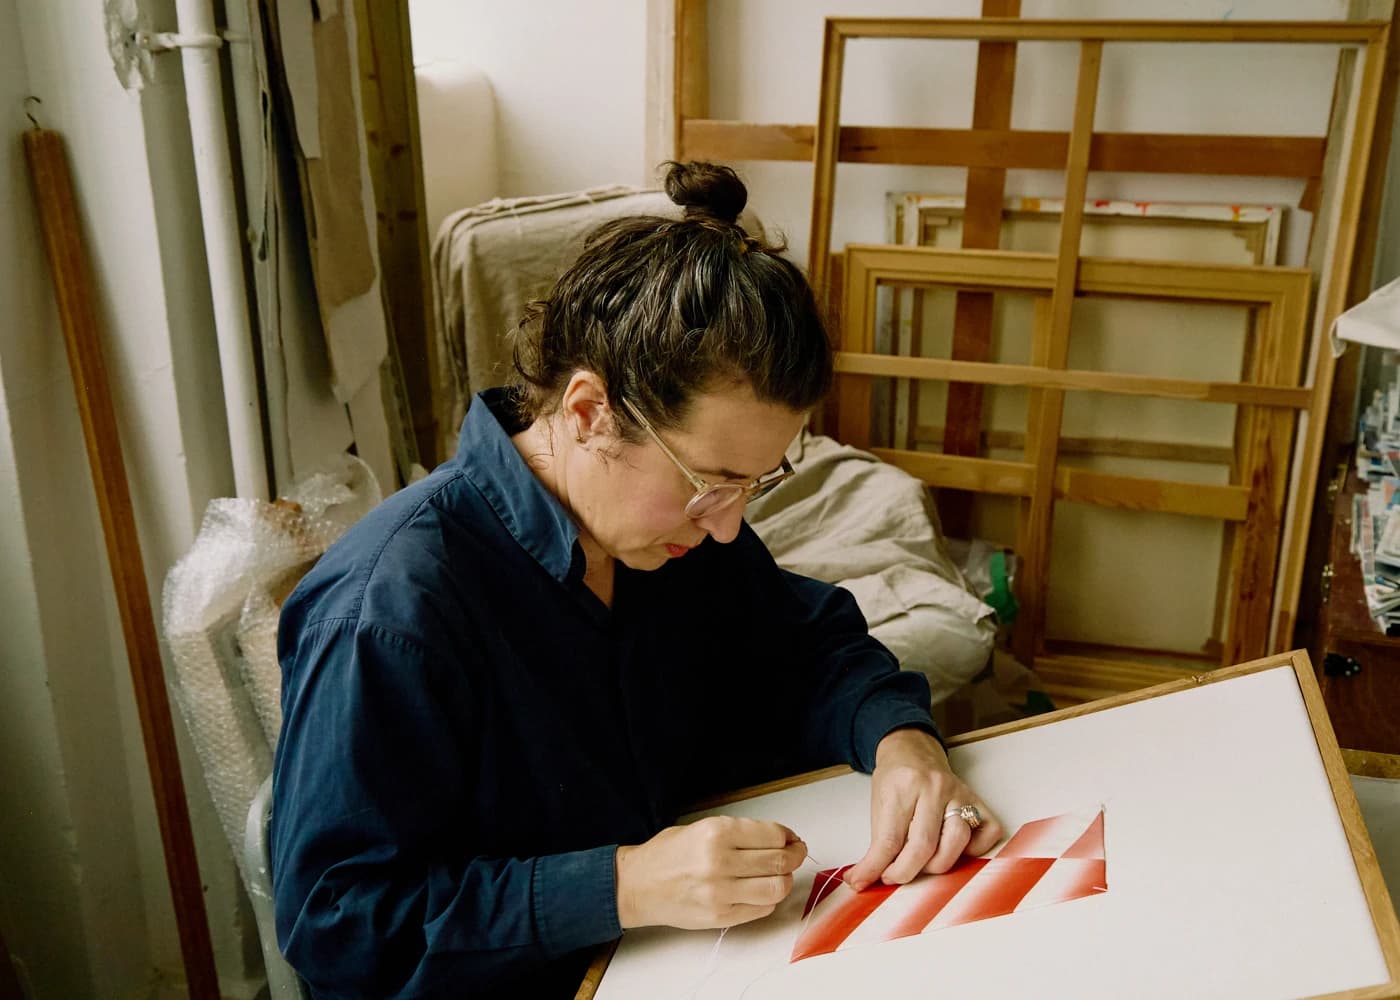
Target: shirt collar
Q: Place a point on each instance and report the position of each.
(487, 457)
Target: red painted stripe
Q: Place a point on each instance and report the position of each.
(1091, 879)
(1090, 845)
(837, 920)
(997, 891)
(1034, 840)
(824, 885)
(935, 892)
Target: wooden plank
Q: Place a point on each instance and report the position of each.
(1334, 299)
(1162, 451)
(853, 395)
(972, 311)
(77, 301)
(1080, 679)
(1370, 764)
(1015, 29)
(692, 71)
(1015, 270)
(1072, 379)
(394, 146)
(960, 472)
(824, 157)
(1228, 503)
(985, 475)
(1342, 403)
(1043, 433)
(1127, 152)
(1268, 443)
(1383, 911)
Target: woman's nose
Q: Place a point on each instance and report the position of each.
(723, 525)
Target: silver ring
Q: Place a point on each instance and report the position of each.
(968, 814)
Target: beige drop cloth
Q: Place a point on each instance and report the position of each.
(850, 519)
(492, 259)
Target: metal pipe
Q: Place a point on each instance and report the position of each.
(224, 248)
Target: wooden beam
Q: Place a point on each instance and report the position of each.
(959, 472)
(77, 300)
(984, 475)
(1047, 405)
(1016, 29)
(1159, 451)
(1225, 503)
(692, 70)
(1130, 152)
(1073, 379)
(1013, 270)
(1334, 299)
(394, 152)
(824, 157)
(972, 311)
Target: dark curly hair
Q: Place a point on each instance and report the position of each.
(663, 309)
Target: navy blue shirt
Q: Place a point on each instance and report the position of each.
(468, 732)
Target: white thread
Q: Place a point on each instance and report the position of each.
(710, 965)
(712, 962)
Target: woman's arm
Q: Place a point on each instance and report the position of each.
(378, 890)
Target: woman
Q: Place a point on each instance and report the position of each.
(503, 685)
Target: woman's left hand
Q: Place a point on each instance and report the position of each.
(912, 788)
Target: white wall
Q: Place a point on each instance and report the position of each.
(84, 902)
(568, 81)
(570, 89)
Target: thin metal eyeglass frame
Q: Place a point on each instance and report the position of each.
(731, 491)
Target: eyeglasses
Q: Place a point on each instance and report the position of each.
(710, 498)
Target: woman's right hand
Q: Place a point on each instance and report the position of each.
(715, 872)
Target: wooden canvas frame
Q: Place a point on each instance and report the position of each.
(1382, 911)
(1348, 166)
(1269, 399)
(909, 216)
(963, 429)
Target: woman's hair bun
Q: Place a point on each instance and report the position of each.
(706, 189)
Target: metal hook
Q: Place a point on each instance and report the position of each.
(29, 114)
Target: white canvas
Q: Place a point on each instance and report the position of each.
(1229, 869)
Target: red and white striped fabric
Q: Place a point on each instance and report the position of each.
(1047, 861)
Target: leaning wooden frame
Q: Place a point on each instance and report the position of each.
(1334, 762)
(967, 428)
(1083, 150)
(1269, 399)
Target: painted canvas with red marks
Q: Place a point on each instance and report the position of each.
(1046, 861)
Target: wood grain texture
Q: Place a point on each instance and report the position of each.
(692, 71)
(1118, 383)
(82, 336)
(824, 156)
(1128, 152)
(389, 99)
(1046, 406)
(1383, 912)
(1348, 193)
(972, 311)
(1013, 29)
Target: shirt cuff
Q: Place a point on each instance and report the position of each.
(877, 719)
(575, 899)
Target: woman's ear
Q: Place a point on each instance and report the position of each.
(585, 408)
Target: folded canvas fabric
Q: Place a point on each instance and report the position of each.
(850, 519)
(492, 259)
(1374, 321)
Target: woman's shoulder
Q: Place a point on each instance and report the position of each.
(426, 544)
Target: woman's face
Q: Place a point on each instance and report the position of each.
(631, 498)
